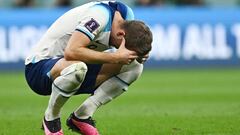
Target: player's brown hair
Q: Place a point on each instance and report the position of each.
(138, 37)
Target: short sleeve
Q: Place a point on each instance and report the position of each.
(94, 21)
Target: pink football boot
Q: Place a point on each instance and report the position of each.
(52, 127)
(82, 126)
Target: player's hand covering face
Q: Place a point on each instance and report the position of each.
(124, 55)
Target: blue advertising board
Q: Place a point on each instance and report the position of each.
(181, 36)
(193, 36)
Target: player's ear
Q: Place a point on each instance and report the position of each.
(120, 34)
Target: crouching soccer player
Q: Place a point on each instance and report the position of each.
(73, 58)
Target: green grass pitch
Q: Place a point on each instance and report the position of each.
(161, 102)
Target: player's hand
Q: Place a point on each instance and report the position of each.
(125, 56)
(143, 59)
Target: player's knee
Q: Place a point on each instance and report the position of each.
(70, 79)
(75, 71)
(130, 73)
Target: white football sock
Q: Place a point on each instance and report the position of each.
(110, 89)
(86, 110)
(63, 87)
(107, 91)
(55, 104)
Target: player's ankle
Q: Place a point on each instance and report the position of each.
(81, 116)
(50, 117)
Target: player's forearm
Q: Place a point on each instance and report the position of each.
(89, 56)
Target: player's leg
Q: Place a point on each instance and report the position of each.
(67, 76)
(114, 80)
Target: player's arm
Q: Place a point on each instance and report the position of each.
(77, 50)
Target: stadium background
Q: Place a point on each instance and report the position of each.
(191, 83)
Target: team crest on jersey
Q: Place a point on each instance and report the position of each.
(92, 25)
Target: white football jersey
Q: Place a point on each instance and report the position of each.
(93, 19)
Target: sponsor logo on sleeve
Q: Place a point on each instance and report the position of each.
(92, 25)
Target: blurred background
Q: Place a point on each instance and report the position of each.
(186, 33)
(190, 86)
(132, 3)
